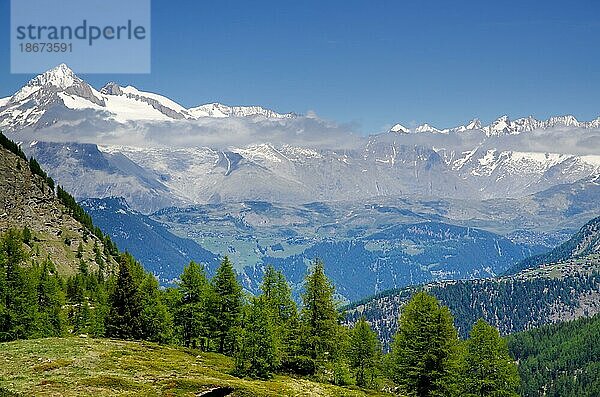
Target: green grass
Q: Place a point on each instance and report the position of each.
(103, 367)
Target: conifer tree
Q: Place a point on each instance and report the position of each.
(18, 298)
(278, 296)
(155, 319)
(319, 318)
(257, 356)
(489, 370)
(99, 297)
(50, 301)
(282, 309)
(424, 356)
(27, 235)
(364, 353)
(225, 306)
(190, 315)
(79, 254)
(124, 319)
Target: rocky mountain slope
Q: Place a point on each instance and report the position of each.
(28, 201)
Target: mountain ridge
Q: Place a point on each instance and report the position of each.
(61, 87)
(62, 80)
(503, 126)
(585, 242)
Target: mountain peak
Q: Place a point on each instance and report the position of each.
(111, 88)
(428, 128)
(60, 76)
(474, 124)
(567, 120)
(499, 126)
(399, 128)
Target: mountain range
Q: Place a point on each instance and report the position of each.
(148, 145)
(391, 209)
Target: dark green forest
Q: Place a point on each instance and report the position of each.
(510, 304)
(560, 359)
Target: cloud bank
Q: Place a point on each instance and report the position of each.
(310, 131)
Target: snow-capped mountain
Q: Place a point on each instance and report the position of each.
(503, 125)
(279, 162)
(47, 99)
(399, 128)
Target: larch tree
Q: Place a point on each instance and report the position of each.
(364, 353)
(225, 306)
(278, 296)
(258, 356)
(424, 360)
(155, 318)
(318, 317)
(489, 370)
(190, 315)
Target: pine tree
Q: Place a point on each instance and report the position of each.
(225, 306)
(319, 318)
(124, 319)
(257, 356)
(424, 356)
(489, 370)
(364, 353)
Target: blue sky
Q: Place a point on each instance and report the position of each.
(371, 63)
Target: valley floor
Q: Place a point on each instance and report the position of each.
(103, 367)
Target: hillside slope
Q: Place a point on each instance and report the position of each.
(548, 294)
(102, 367)
(158, 250)
(585, 242)
(559, 360)
(27, 200)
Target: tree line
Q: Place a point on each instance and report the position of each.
(266, 334)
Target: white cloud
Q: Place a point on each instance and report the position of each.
(308, 131)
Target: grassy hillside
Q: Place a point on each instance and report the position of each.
(103, 367)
